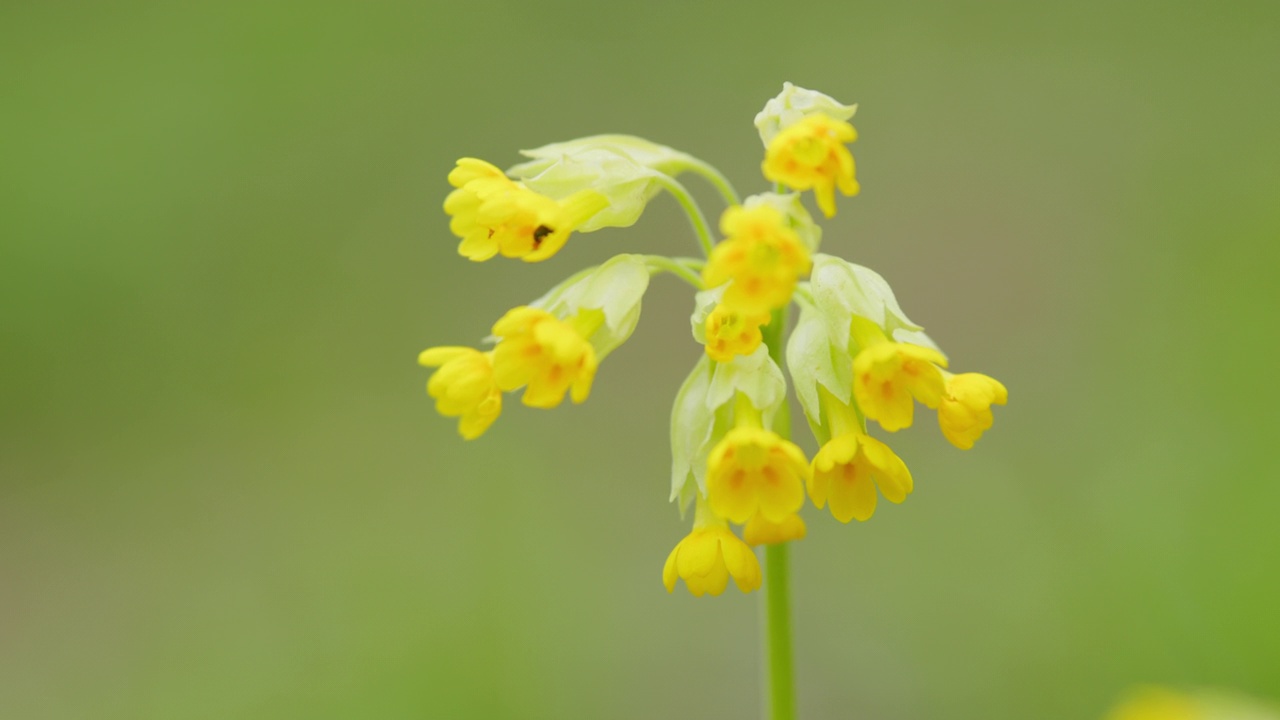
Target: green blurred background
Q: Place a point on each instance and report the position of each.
(225, 494)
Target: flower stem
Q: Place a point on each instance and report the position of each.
(661, 263)
(781, 695)
(691, 209)
(780, 692)
(716, 178)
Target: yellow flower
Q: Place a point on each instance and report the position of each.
(887, 375)
(464, 387)
(965, 410)
(547, 354)
(708, 556)
(731, 332)
(811, 154)
(850, 466)
(753, 470)
(761, 531)
(495, 215)
(847, 471)
(761, 255)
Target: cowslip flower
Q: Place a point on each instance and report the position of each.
(852, 356)
(850, 467)
(464, 387)
(708, 556)
(761, 255)
(754, 470)
(964, 412)
(811, 155)
(887, 375)
(731, 332)
(545, 355)
(495, 215)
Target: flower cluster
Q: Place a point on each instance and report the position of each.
(853, 356)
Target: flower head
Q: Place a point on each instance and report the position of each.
(464, 387)
(811, 154)
(548, 355)
(761, 255)
(847, 471)
(761, 531)
(708, 556)
(965, 410)
(753, 470)
(887, 375)
(731, 332)
(495, 215)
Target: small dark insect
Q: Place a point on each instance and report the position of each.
(541, 233)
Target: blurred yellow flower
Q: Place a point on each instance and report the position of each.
(811, 154)
(495, 215)
(965, 410)
(708, 556)
(464, 387)
(731, 332)
(761, 254)
(759, 530)
(548, 355)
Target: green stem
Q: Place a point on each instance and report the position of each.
(715, 177)
(780, 694)
(691, 209)
(662, 263)
(781, 704)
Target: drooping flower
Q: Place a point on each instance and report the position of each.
(548, 355)
(761, 254)
(887, 375)
(464, 387)
(495, 215)
(708, 556)
(965, 410)
(811, 155)
(761, 531)
(850, 466)
(731, 332)
(753, 470)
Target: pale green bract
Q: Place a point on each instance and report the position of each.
(794, 104)
(842, 289)
(615, 288)
(812, 360)
(628, 171)
(795, 214)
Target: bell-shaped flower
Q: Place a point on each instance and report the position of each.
(842, 290)
(464, 387)
(761, 255)
(850, 467)
(494, 215)
(794, 104)
(811, 155)
(545, 355)
(708, 556)
(965, 410)
(723, 330)
(794, 215)
(754, 470)
(887, 375)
